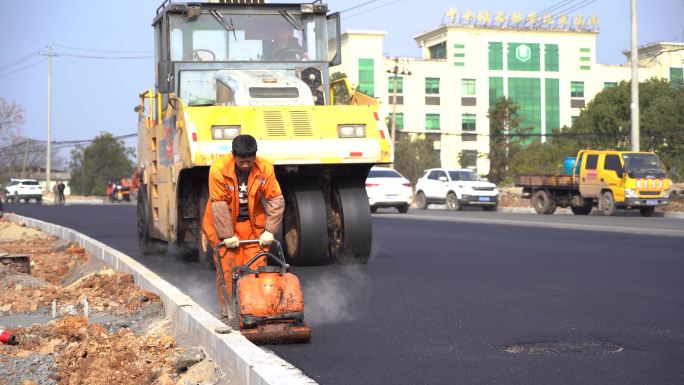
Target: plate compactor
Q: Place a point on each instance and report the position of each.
(267, 301)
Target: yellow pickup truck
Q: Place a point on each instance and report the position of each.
(610, 180)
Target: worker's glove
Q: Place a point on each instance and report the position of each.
(265, 239)
(232, 242)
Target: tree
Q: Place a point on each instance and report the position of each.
(11, 119)
(413, 155)
(503, 121)
(605, 122)
(341, 92)
(95, 166)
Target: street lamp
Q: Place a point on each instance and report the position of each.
(395, 71)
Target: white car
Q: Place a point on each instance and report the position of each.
(456, 188)
(26, 189)
(388, 188)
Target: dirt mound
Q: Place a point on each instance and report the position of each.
(132, 344)
(11, 232)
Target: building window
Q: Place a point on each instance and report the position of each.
(496, 89)
(432, 86)
(366, 77)
(526, 93)
(438, 51)
(468, 158)
(552, 104)
(432, 121)
(398, 120)
(551, 57)
(576, 89)
(676, 77)
(400, 84)
(468, 122)
(609, 85)
(495, 56)
(468, 87)
(523, 57)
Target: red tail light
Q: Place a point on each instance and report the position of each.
(407, 184)
(372, 184)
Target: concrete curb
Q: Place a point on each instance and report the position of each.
(241, 361)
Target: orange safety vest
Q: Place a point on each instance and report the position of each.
(223, 186)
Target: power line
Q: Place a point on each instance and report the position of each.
(360, 5)
(21, 59)
(22, 68)
(99, 50)
(64, 143)
(372, 9)
(102, 57)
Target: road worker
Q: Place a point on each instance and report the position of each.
(239, 185)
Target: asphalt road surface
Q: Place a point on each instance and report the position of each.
(472, 298)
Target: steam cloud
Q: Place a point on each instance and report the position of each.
(330, 298)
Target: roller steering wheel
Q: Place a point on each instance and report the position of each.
(196, 54)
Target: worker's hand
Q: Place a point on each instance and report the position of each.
(265, 239)
(232, 242)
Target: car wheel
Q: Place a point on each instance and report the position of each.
(608, 203)
(373, 209)
(543, 203)
(421, 202)
(452, 202)
(403, 209)
(647, 211)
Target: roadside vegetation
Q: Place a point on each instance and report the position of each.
(604, 124)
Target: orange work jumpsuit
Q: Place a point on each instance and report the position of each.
(223, 187)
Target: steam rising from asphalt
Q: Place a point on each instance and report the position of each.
(331, 297)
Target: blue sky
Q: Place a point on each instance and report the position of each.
(94, 95)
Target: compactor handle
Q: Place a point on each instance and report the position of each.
(279, 257)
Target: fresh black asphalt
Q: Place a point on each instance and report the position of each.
(445, 302)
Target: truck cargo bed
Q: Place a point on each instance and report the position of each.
(545, 180)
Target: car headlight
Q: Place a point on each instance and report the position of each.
(224, 132)
(351, 130)
(630, 193)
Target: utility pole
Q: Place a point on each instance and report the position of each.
(23, 166)
(49, 115)
(635, 77)
(395, 71)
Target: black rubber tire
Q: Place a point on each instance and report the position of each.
(490, 208)
(451, 202)
(146, 243)
(351, 242)
(421, 201)
(205, 254)
(403, 209)
(608, 203)
(305, 226)
(543, 203)
(647, 211)
(584, 209)
(373, 209)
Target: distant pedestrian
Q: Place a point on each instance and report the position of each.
(55, 193)
(60, 192)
